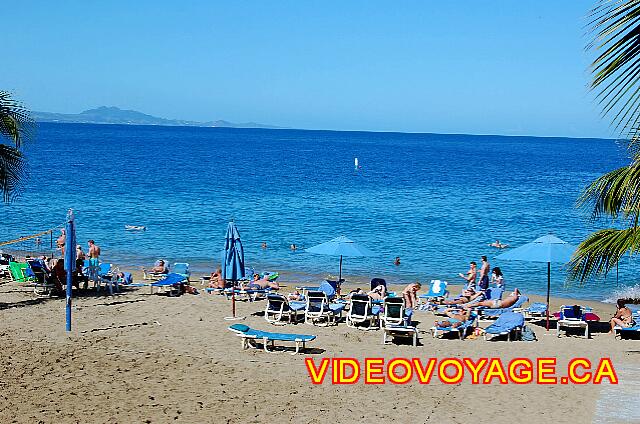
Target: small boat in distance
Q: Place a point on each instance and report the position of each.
(135, 227)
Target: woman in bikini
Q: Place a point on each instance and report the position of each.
(623, 316)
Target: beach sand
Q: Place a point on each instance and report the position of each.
(136, 357)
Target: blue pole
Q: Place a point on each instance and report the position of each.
(70, 260)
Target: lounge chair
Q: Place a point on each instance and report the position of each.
(393, 312)
(41, 277)
(104, 275)
(535, 310)
(489, 313)
(18, 272)
(250, 336)
(279, 307)
(438, 290)
(461, 329)
(320, 311)
(392, 331)
(572, 317)
(171, 281)
(182, 268)
(362, 311)
(508, 323)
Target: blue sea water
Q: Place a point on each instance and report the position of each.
(434, 200)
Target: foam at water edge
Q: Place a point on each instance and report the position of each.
(632, 292)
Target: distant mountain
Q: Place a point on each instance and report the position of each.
(114, 115)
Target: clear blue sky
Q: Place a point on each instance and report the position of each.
(468, 66)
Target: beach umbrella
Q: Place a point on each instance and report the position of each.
(547, 249)
(70, 261)
(233, 261)
(340, 246)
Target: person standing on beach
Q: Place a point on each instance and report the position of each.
(471, 276)
(484, 273)
(94, 253)
(61, 240)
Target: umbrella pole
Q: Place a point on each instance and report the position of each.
(233, 300)
(548, 290)
(340, 274)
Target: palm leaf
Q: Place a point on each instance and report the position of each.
(12, 171)
(615, 26)
(601, 251)
(615, 194)
(16, 123)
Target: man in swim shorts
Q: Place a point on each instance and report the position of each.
(94, 253)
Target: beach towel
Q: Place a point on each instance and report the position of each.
(328, 289)
(505, 323)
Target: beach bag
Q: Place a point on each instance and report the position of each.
(528, 335)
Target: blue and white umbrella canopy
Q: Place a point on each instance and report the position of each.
(340, 246)
(547, 249)
(233, 256)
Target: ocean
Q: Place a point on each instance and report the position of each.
(435, 200)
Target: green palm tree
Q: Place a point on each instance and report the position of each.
(16, 126)
(615, 25)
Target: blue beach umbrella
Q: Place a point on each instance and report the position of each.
(547, 249)
(69, 261)
(233, 260)
(340, 246)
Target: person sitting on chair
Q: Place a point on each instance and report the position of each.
(378, 293)
(261, 283)
(623, 316)
(159, 268)
(216, 281)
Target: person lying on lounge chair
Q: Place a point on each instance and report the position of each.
(455, 318)
(467, 296)
(378, 293)
(261, 283)
(497, 303)
(623, 316)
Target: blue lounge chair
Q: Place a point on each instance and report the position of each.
(462, 329)
(40, 277)
(182, 268)
(572, 316)
(279, 307)
(535, 310)
(495, 313)
(438, 290)
(171, 281)
(250, 336)
(320, 311)
(508, 323)
(362, 311)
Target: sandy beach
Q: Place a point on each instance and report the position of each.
(136, 357)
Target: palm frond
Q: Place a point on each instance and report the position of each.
(12, 171)
(615, 194)
(615, 26)
(601, 251)
(16, 122)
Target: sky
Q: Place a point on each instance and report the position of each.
(466, 66)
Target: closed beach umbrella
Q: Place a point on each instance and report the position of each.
(70, 261)
(340, 246)
(544, 249)
(233, 260)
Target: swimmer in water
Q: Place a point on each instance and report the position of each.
(498, 245)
